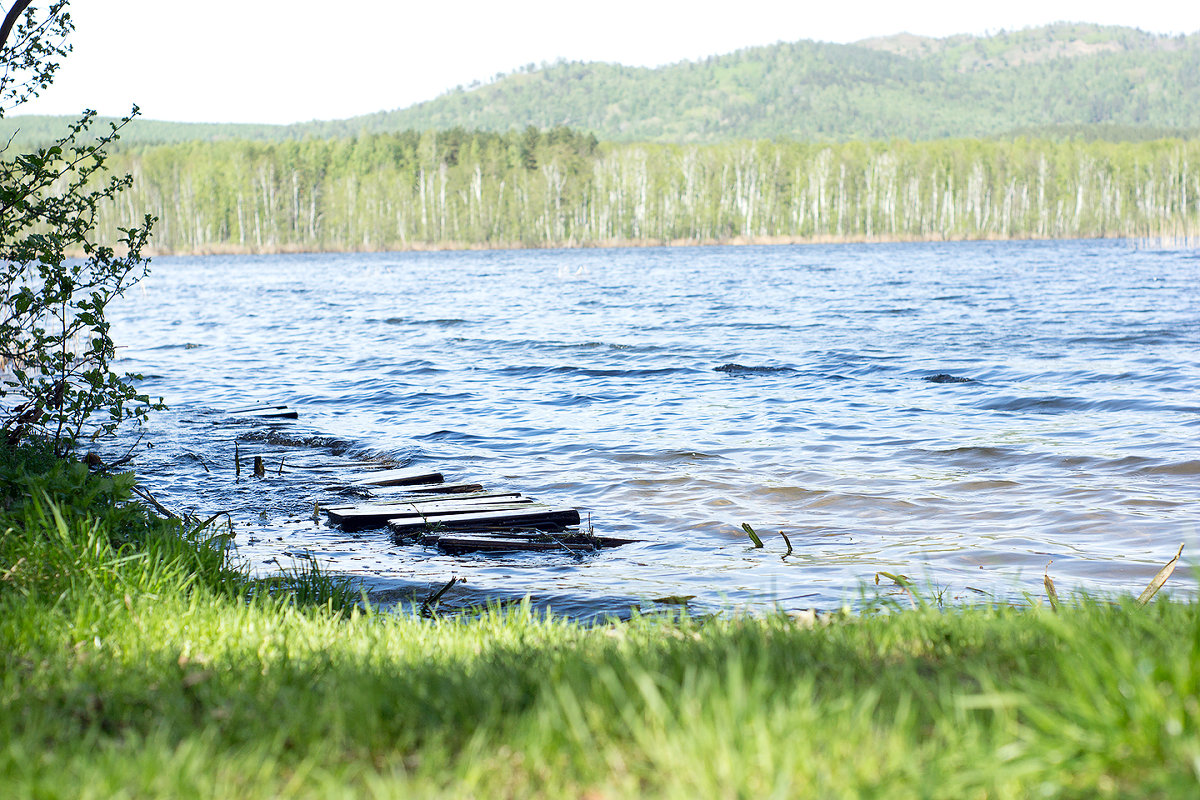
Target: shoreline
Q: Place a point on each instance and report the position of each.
(229, 249)
(147, 664)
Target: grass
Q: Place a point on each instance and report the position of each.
(134, 664)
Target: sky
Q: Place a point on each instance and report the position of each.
(283, 61)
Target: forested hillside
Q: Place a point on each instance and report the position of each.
(1055, 82)
(1067, 77)
(457, 189)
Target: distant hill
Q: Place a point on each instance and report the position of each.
(1060, 81)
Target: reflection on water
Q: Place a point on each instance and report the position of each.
(962, 413)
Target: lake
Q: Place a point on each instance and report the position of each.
(960, 413)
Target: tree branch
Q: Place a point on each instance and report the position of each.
(10, 19)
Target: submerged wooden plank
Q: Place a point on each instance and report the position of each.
(408, 498)
(462, 499)
(255, 409)
(395, 477)
(374, 515)
(458, 545)
(554, 517)
(472, 508)
(273, 415)
(427, 488)
(424, 501)
(343, 513)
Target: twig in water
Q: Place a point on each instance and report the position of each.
(125, 459)
(237, 461)
(788, 542)
(260, 469)
(428, 606)
(198, 458)
(213, 519)
(753, 536)
(149, 498)
(577, 555)
(280, 470)
(902, 581)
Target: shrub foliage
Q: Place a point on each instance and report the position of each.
(55, 349)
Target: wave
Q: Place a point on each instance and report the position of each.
(178, 346)
(740, 369)
(591, 372)
(1054, 404)
(438, 323)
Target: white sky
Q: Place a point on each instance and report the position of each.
(288, 61)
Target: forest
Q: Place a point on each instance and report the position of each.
(561, 187)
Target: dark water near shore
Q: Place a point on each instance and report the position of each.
(961, 413)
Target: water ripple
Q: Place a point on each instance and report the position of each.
(963, 413)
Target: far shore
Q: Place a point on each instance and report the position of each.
(229, 248)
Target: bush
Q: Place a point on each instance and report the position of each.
(55, 279)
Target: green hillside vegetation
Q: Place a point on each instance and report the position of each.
(960, 87)
(1056, 81)
(563, 188)
(37, 130)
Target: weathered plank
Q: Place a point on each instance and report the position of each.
(459, 545)
(265, 412)
(474, 497)
(532, 518)
(395, 477)
(472, 508)
(273, 415)
(253, 409)
(427, 488)
(420, 500)
(360, 517)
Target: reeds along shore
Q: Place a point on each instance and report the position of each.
(461, 190)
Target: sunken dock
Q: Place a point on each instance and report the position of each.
(418, 506)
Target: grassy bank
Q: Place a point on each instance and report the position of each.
(134, 663)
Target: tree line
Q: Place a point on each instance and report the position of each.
(563, 188)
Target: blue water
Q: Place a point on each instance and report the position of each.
(961, 413)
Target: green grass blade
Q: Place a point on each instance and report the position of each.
(753, 536)
(1159, 579)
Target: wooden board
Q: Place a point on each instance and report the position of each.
(360, 517)
(408, 501)
(432, 499)
(395, 477)
(471, 508)
(426, 488)
(530, 518)
(459, 499)
(256, 409)
(457, 544)
(272, 414)
(418, 500)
